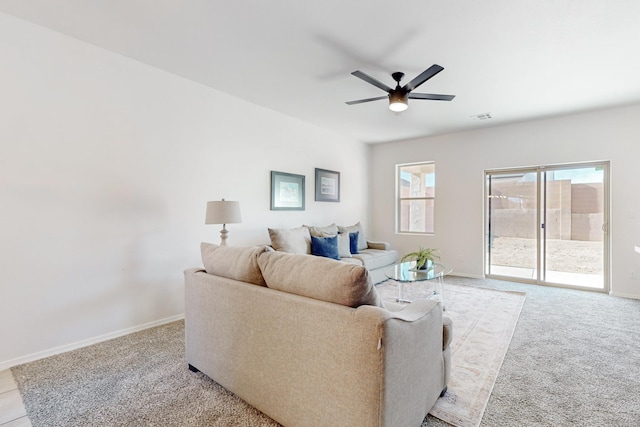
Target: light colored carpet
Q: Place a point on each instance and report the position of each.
(142, 379)
(483, 323)
(574, 360)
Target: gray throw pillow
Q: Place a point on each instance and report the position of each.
(291, 240)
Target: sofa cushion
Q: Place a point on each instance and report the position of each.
(238, 263)
(292, 240)
(362, 239)
(376, 258)
(344, 244)
(325, 246)
(329, 230)
(319, 278)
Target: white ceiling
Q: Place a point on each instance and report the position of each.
(516, 60)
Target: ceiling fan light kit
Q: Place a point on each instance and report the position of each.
(398, 101)
(398, 97)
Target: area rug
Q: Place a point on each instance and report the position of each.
(142, 379)
(483, 323)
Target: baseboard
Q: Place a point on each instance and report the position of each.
(84, 343)
(623, 295)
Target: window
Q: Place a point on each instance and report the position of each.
(416, 197)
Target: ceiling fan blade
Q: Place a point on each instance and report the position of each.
(360, 101)
(431, 96)
(423, 77)
(371, 80)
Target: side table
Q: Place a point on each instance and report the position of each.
(405, 273)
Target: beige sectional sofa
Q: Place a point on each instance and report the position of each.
(307, 340)
(374, 256)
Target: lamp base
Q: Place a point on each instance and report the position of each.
(223, 235)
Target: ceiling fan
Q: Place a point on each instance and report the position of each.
(398, 97)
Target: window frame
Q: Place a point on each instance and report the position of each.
(400, 199)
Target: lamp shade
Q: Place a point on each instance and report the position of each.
(223, 212)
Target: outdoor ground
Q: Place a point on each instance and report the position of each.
(571, 256)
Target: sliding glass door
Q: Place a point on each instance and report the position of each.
(549, 225)
(513, 224)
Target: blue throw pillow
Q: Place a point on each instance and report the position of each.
(353, 242)
(325, 246)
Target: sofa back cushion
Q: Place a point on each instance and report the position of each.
(291, 240)
(326, 231)
(238, 263)
(319, 278)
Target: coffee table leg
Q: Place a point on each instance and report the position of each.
(400, 294)
(438, 291)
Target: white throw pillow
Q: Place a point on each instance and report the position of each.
(343, 245)
(362, 239)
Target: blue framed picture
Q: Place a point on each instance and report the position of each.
(327, 185)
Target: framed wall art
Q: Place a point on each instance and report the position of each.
(287, 191)
(327, 185)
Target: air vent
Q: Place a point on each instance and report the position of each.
(483, 116)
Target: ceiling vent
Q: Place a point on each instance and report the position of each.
(483, 116)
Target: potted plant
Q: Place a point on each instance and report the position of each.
(421, 256)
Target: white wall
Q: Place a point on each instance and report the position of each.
(462, 158)
(106, 166)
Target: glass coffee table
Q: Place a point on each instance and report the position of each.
(429, 280)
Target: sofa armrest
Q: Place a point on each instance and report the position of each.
(417, 309)
(378, 245)
(414, 355)
(412, 311)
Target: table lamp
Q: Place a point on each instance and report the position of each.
(223, 212)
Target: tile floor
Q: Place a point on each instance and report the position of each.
(12, 412)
